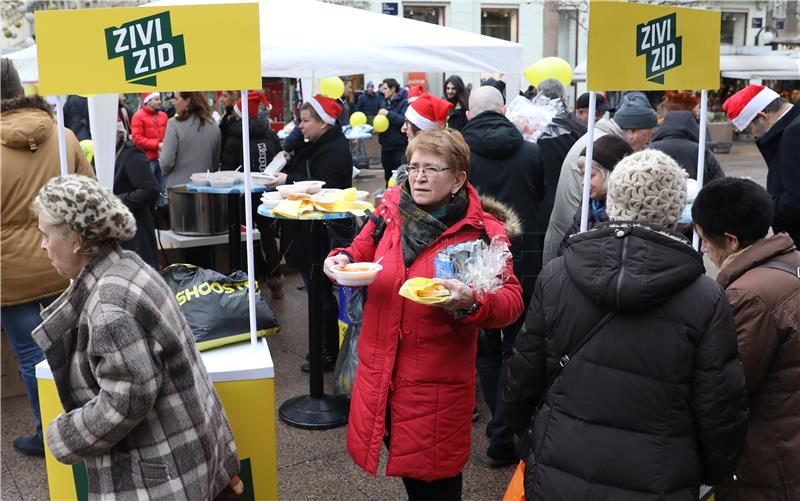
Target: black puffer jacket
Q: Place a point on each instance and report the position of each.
(264, 145)
(506, 167)
(654, 404)
(679, 137)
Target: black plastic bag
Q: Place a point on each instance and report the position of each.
(344, 374)
(216, 305)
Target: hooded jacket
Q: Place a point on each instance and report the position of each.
(779, 149)
(568, 192)
(136, 186)
(148, 128)
(29, 158)
(419, 360)
(765, 306)
(654, 403)
(679, 137)
(506, 167)
(264, 145)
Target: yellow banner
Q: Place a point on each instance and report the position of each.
(652, 47)
(143, 49)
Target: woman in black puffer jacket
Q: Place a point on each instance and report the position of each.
(653, 404)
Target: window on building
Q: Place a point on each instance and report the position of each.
(433, 14)
(733, 28)
(499, 23)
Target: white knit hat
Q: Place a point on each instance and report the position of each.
(87, 207)
(647, 187)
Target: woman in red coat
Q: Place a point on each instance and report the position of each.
(416, 375)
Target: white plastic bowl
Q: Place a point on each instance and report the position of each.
(199, 178)
(221, 181)
(362, 195)
(311, 187)
(364, 275)
(270, 203)
(285, 189)
(271, 195)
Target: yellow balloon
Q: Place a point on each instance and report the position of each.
(331, 87)
(358, 118)
(380, 123)
(549, 67)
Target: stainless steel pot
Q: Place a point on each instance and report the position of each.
(197, 214)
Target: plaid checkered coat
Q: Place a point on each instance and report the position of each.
(141, 411)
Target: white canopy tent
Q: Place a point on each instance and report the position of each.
(748, 67)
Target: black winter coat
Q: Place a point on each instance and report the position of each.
(76, 116)
(780, 148)
(654, 403)
(506, 167)
(394, 137)
(136, 186)
(264, 145)
(369, 104)
(228, 119)
(554, 144)
(457, 118)
(679, 137)
(326, 159)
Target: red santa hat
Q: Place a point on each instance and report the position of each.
(415, 92)
(327, 109)
(743, 106)
(428, 112)
(254, 99)
(146, 96)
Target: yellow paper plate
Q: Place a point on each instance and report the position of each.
(413, 286)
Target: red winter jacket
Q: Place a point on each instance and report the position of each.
(148, 128)
(418, 359)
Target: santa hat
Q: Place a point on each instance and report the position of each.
(146, 96)
(327, 109)
(428, 112)
(415, 92)
(254, 99)
(743, 106)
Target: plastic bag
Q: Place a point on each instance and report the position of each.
(516, 487)
(351, 301)
(477, 264)
(216, 305)
(531, 117)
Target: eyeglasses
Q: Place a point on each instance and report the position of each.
(429, 170)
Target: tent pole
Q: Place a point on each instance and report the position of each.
(587, 174)
(248, 217)
(701, 155)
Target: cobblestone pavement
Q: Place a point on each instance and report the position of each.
(315, 464)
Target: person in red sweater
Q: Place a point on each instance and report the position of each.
(148, 126)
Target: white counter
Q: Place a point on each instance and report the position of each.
(235, 362)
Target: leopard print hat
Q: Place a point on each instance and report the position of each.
(88, 208)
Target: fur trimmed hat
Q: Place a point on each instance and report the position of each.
(428, 112)
(743, 106)
(647, 187)
(415, 92)
(87, 207)
(147, 96)
(327, 109)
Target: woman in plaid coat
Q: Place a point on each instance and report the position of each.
(141, 411)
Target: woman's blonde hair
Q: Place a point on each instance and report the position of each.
(447, 143)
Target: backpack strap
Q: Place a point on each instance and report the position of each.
(380, 226)
(775, 265)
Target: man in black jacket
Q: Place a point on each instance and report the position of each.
(679, 136)
(506, 167)
(775, 125)
(554, 144)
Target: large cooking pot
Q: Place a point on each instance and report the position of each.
(197, 214)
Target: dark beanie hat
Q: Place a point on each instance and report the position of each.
(635, 112)
(608, 150)
(9, 80)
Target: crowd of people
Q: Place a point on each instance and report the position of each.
(611, 363)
